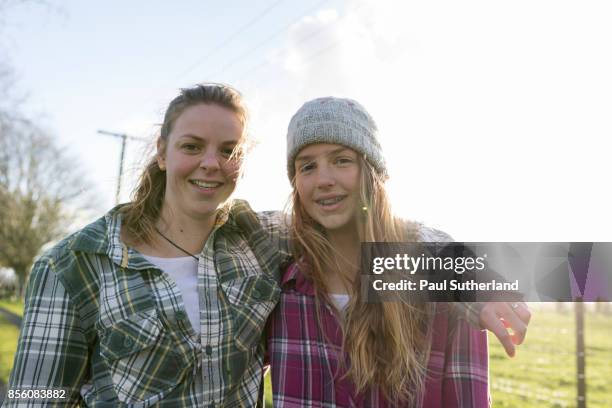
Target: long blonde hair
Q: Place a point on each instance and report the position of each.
(140, 215)
(386, 343)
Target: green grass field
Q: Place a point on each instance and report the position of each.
(8, 338)
(543, 374)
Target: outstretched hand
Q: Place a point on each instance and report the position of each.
(498, 317)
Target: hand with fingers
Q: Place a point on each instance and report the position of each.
(498, 317)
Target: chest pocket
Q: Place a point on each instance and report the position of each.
(252, 299)
(144, 360)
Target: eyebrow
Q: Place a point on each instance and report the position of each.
(304, 158)
(191, 136)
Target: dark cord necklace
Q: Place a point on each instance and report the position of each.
(175, 245)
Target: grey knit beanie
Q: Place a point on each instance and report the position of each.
(337, 121)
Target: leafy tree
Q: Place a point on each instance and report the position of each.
(40, 191)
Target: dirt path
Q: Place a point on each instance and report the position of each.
(11, 317)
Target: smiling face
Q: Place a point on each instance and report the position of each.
(327, 181)
(200, 174)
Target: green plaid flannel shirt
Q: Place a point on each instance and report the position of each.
(110, 329)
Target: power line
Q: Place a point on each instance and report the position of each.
(230, 38)
(312, 35)
(311, 56)
(226, 41)
(259, 45)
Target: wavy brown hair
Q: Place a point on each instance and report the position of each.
(140, 215)
(386, 343)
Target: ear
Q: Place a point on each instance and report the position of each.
(161, 154)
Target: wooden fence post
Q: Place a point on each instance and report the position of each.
(580, 355)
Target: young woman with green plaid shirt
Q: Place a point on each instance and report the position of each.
(106, 323)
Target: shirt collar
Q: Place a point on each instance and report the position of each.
(294, 276)
(95, 238)
(223, 216)
(104, 237)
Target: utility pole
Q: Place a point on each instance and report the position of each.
(123, 138)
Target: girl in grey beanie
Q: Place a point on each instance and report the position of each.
(352, 352)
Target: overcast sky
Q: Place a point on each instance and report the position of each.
(495, 116)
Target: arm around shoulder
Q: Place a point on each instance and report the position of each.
(276, 223)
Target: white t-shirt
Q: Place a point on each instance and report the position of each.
(340, 300)
(184, 272)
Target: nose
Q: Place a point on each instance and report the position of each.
(210, 160)
(325, 177)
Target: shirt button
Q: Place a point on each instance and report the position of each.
(208, 350)
(257, 294)
(127, 342)
(180, 315)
